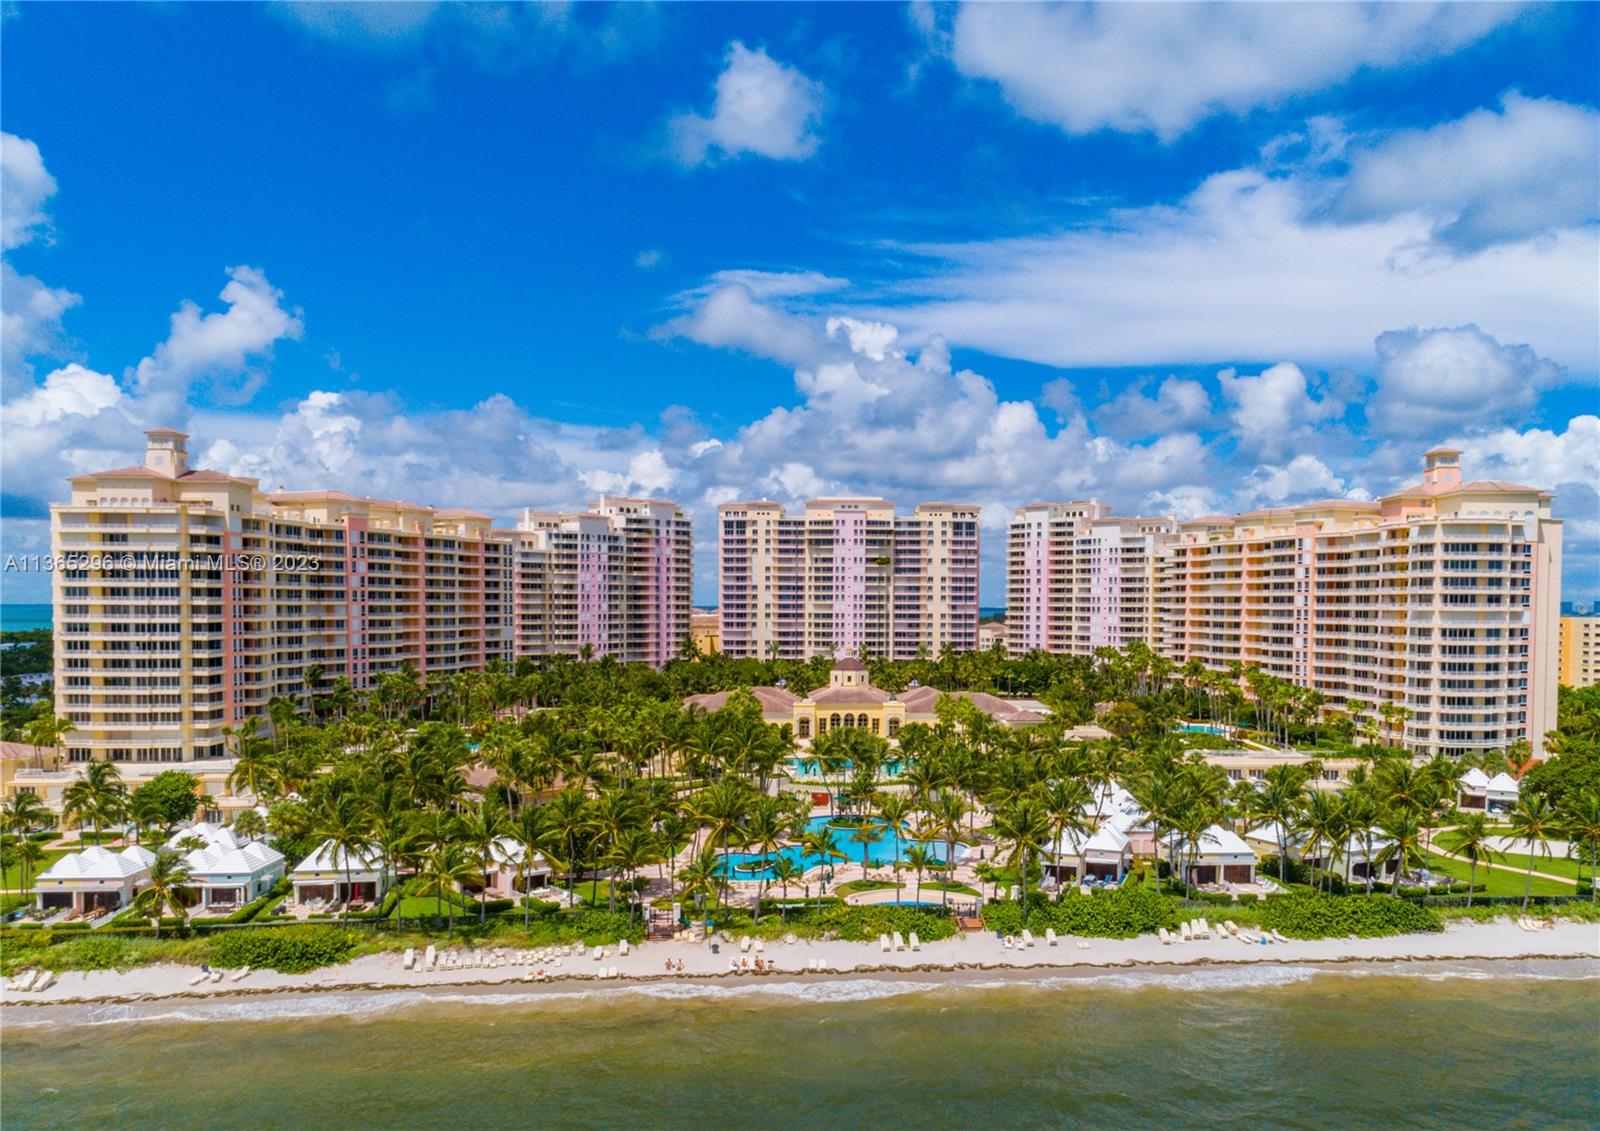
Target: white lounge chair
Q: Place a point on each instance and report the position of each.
(241, 975)
(1049, 936)
(599, 953)
(1009, 944)
(622, 948)
(883, 943)
(24, 982)
(198, 978)
(1027, 937)
(761, 946)
(1166, 937)
(1202, 929)
(1186, 932)
(1231, 927)
(45, 982)
(1083, 945)
(899, 941)
(916, 943)
(216, 975)
(744, 944)
(1278, 936)
(409, 959)
(430, 958)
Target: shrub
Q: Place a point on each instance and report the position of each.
(291, 950)
(1320, 916)
(865, 922)
(1118, 914)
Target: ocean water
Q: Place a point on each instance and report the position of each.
(1282, 1047)
(18, 618)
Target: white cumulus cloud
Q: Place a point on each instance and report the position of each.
(761, 107)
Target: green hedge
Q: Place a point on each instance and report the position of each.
(1119, 914)
(291, 950)
(1323, 916)
(865, 922)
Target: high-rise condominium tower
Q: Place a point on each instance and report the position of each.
(190, 598)
(847, 575)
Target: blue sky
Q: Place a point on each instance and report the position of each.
(1184, 259)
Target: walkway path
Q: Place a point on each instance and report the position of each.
(1437, 851)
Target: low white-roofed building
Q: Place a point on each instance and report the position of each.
(1474, 789)
(1264, 839)
(1501, 793)
(1103, 854)
(335, 876)
(500, 881)
(95, 879)
(1219, 857)
(227, 871)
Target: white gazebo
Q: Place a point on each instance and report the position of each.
(227, 871)
(93, 880)
(1474, 789)
(1220, 857)
(333, 876)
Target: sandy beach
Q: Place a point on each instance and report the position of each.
(1467, 942)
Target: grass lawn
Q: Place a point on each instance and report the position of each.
(909, 887)
(13, 874)
(597, 893)
(426, 906)
(1554, 865)
(1495, 881)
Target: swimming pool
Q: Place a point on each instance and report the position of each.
(810, 767)
(1202, 728)
(880, 851)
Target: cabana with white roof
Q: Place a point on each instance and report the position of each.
(1220, 857)
(1263, 839)
(335, 876)
(227, 871)
(94, 880)
(1502, 793)
(1474, 787)
(501, 880)
(1103, 855)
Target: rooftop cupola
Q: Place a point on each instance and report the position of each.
(1441, 467)
(166, 450)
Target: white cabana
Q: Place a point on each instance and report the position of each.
(94, 880)
(1501, 793)
(1263, 840)
(227, 871)
(500, 881)
(331, 876)
(1220, 857)
(1103, 855)
(1474, 789)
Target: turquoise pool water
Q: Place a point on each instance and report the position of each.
(810, 767)
(1203, 728)
(880, 852)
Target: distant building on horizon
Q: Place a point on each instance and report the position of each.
(847, 575)
(1580, 651)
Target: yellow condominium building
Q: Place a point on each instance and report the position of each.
(186, 599)
(1580, 651)
(1441, 598)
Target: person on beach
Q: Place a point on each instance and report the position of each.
(680, 966)
(669, 966)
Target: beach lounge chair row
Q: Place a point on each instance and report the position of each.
(32, 981)
(1528, 923)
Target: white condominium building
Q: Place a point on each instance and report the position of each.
(847, 575)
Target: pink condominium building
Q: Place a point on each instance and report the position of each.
(186, 599)
(847, 575)
(1442, 598)
(1079, 578)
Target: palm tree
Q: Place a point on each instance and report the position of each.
(1405, 831)
(721, 808)
(99, 797)
(1580, 818)
(47, 731)
(536, 836)
(1472, 837)
(1025, 826)
(249, 824)
(786, 870)
(824, 845)
(764, 832)
(945, 821)
(702, 878)
(1533, 820)
(26, 854)
(478, 830)
(919, 859)
(1280, 801)
(341, 821)
(23, 813)
(164, 889)
(445, 868)
(634, 849)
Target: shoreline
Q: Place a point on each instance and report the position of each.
(964, 960)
